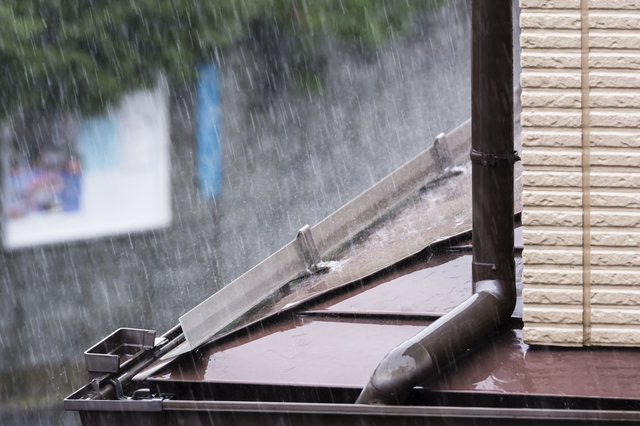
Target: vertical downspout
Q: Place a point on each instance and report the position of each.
(492, 141)
(494, 294)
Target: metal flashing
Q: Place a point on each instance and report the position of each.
(218, 311)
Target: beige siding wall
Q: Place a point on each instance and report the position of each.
(581, 158)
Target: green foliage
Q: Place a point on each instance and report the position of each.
(83, 54)
(368, 22)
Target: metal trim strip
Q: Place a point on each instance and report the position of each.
(146, 405)
(401, 411)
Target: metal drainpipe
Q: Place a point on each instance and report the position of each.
(492, 154)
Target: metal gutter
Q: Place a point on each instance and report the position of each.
(267, 413)
(427, 353)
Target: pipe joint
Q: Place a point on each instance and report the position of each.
(503, 291)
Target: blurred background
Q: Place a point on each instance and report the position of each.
(151, 152)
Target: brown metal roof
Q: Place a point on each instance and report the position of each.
(436, 289)
(303, 349)
(302, 352)
(337, 340)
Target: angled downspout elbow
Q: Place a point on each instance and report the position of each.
(426, 353)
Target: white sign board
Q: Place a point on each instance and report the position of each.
(67, 178)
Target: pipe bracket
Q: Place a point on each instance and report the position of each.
(491, 160)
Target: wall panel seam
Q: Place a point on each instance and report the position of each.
(586, 180)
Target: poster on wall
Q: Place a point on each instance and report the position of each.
(68, 178)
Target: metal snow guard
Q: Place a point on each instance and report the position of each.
(110, 353)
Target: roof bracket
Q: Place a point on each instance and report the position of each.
(443, 153)
(488, 159)
(308, 249)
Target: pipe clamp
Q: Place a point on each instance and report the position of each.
(488, 159)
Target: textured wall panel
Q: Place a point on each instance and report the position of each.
(581, 179)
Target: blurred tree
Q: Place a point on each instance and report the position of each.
(83, 54)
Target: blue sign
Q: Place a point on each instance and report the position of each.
(208, 132)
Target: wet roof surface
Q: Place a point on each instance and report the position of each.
(301, 349)
(508, 365)
(428, 291)
(301, 352)
(339, 340)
